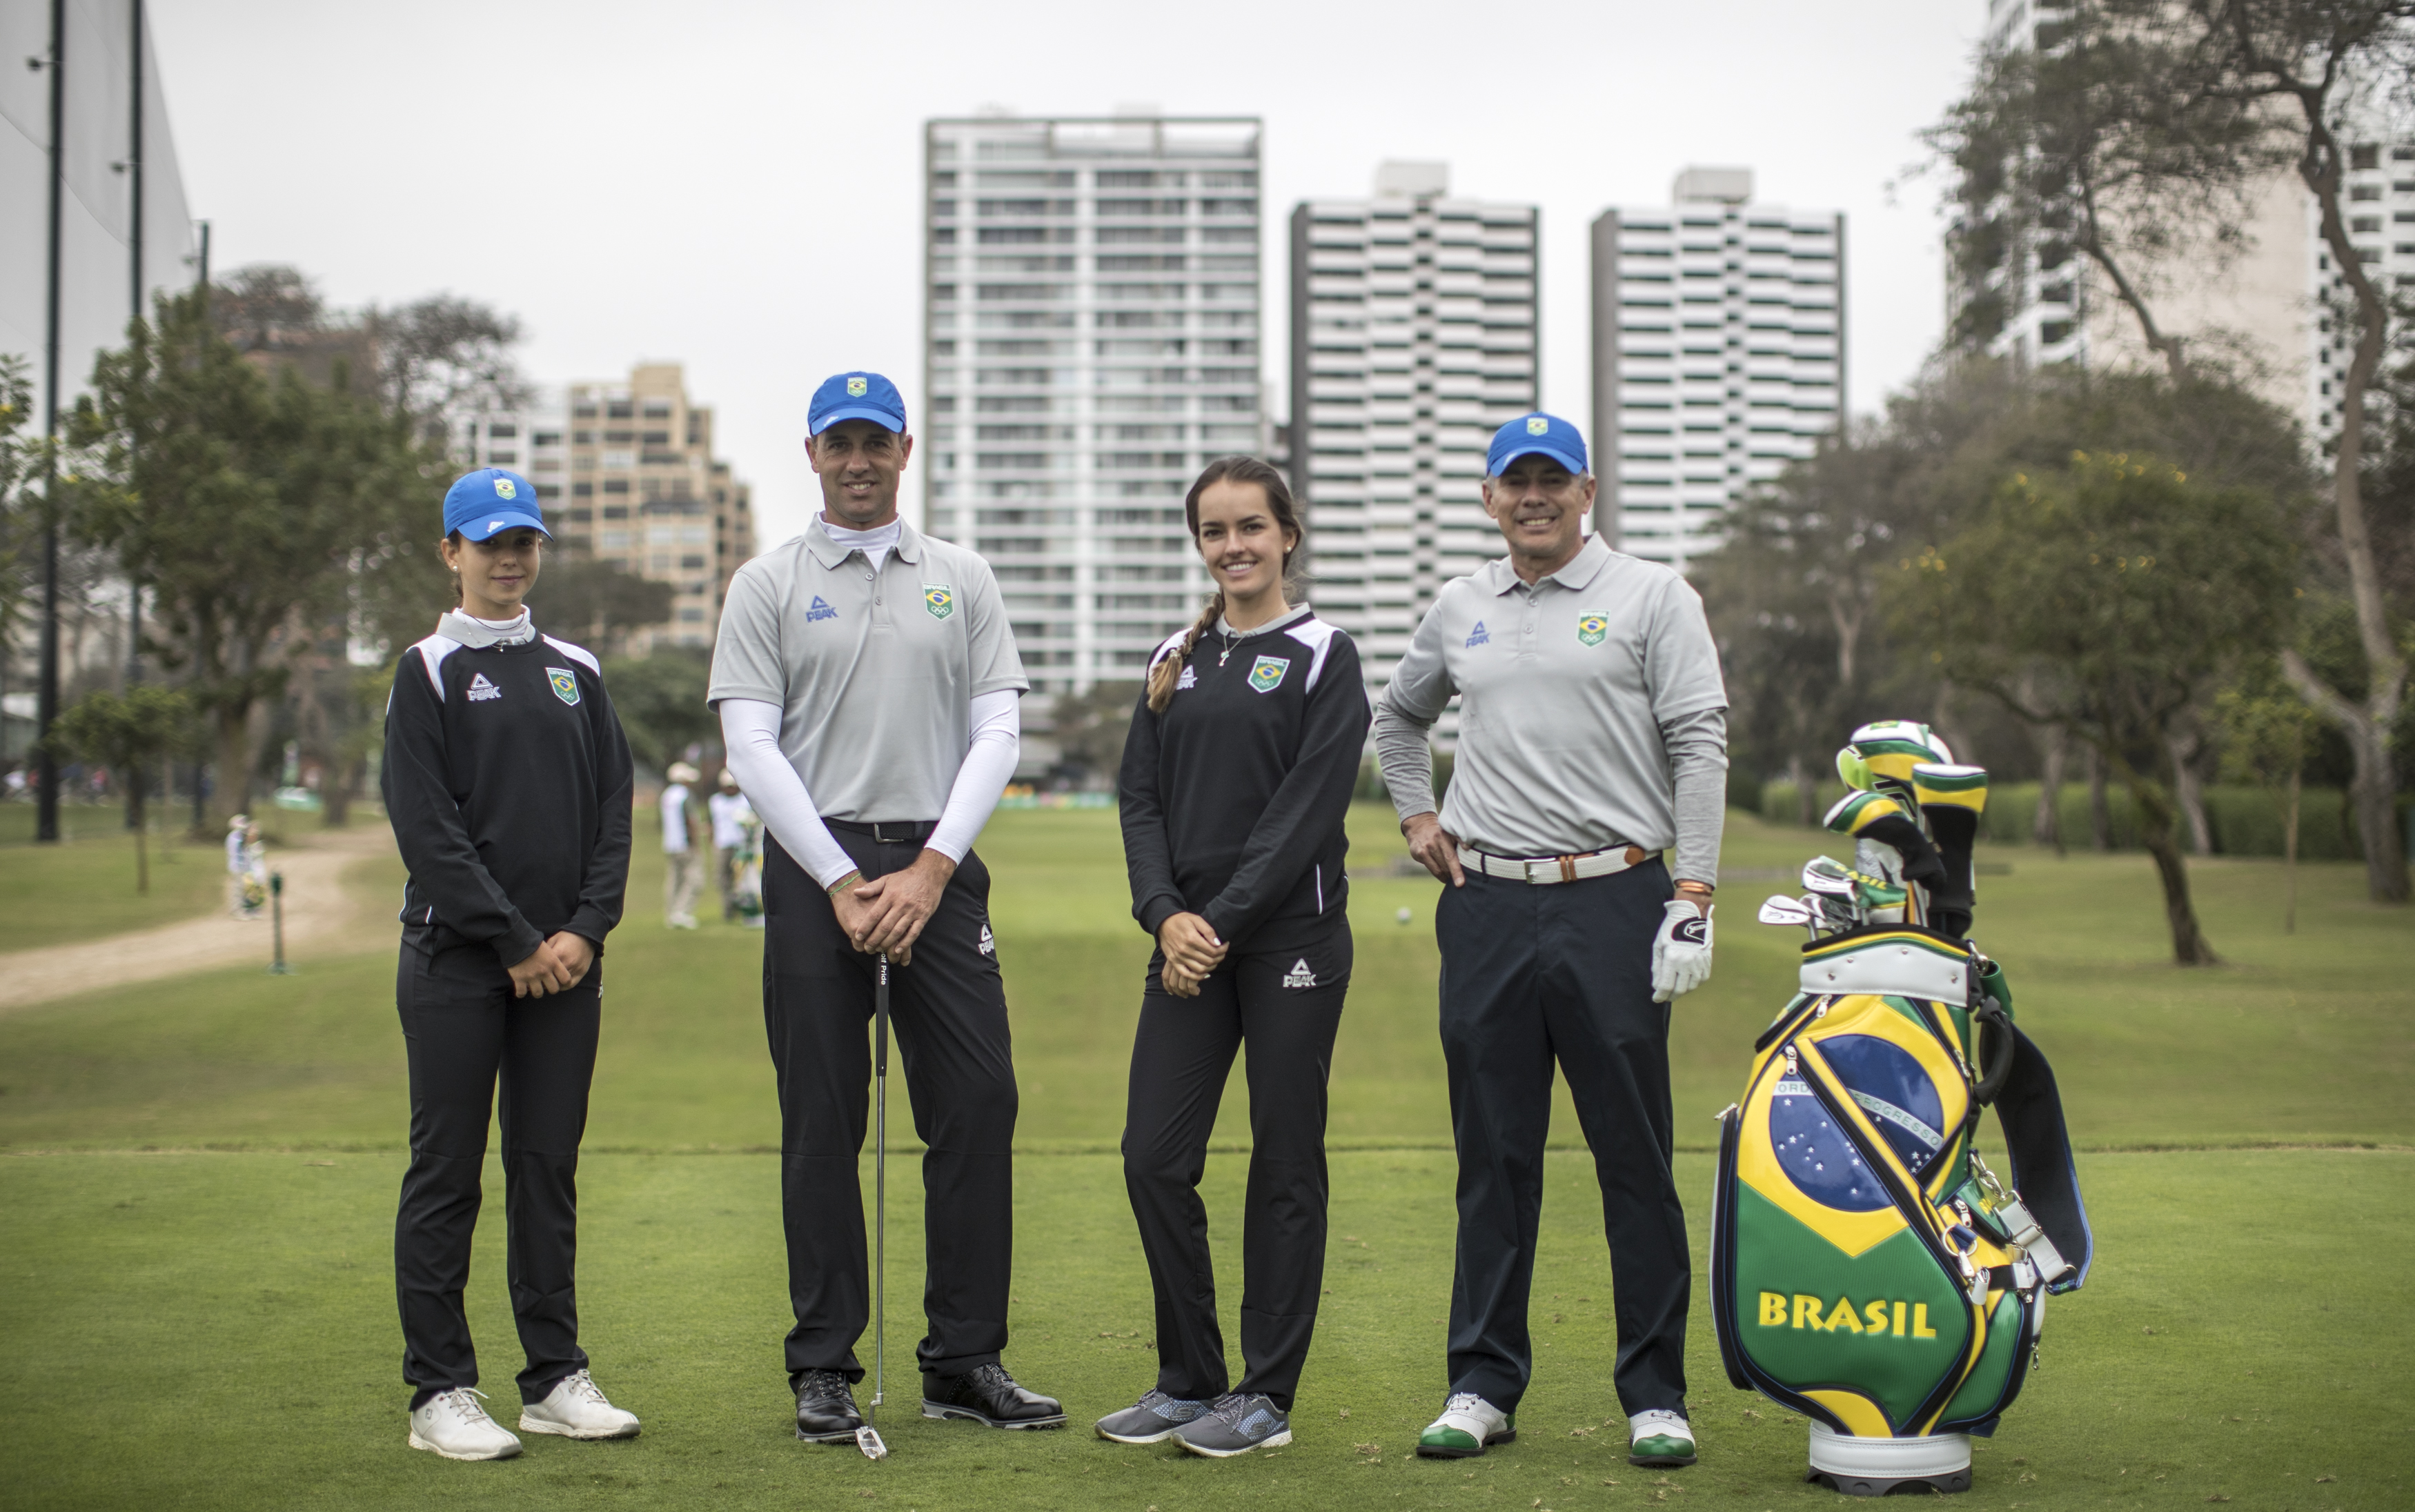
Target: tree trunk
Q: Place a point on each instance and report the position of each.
(2046, 827)
(134, 797)
(2100, 812)
(233, 794)
(2290, 857)
(2374, 789)
(2188, 789)
(2157, 832)
(142, 865)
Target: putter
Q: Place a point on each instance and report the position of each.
(867, 1438)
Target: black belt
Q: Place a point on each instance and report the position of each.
(888, 831)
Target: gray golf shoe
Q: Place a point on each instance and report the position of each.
(1153, 1420)
(1235, 1425)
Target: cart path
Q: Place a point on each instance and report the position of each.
(319, 910)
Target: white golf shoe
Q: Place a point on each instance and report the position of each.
(452, 1424)
(1660, 1439)
(576, 1409)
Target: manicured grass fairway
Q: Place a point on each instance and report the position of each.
(228, 1277)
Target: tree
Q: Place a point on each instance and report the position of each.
(249, 505)
(20, 520)
(2334, 65)
(2267, 732)
(444, 352)
(147, 725)
(2094, 141)
(660, 700)
(1090, 729)
(597, 602)
(2106, 596)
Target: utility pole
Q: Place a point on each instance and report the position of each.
(46, 822)
(135, 776)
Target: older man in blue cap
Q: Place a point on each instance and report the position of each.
(867, 684)
(1592, 737)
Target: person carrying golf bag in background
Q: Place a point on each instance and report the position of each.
(507, 781)
(1237, 779)
(1593, 736)
(867, 683)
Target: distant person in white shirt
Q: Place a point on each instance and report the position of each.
(682, 874)
(730, 811)
(238, 865)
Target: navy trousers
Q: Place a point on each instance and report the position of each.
(464, 1032)
(1284, 1006)
(1533, 976)
(947, 1006)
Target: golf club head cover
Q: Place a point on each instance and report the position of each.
(1881, 818)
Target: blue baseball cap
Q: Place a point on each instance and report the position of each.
(856, 396)
(491, 499)
(1545, 434)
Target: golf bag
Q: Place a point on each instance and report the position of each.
(1868, 1269)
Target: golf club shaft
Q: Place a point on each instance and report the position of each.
(880, 1180)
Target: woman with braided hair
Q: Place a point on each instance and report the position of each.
(1236, 778)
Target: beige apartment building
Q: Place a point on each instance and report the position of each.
(646, 491)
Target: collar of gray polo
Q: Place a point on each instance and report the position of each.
(830, 553)
(1291, 616)
(1577, 576)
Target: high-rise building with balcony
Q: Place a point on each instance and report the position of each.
(1718, 356)
(1092, 334)
(1412, 328)
(531, 440)
(646, 491)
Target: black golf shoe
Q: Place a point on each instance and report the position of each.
(986, 1394)
(826, 1409)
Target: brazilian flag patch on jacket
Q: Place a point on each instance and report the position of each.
(565, 684)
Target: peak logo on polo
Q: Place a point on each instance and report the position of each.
(1477, 636)
(857, 388)
(1537, 425)
(819, 610)
(480, 690)
(505, 489)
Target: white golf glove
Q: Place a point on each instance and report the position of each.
(1680, 953)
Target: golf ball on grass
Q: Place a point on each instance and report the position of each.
(1402, 917)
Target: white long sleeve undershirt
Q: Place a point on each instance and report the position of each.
(750, 732)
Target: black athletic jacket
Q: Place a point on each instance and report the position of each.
(1232, 799)
(507, 781)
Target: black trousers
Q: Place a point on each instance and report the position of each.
(949, 1010)
(1532, 975)
(1286, 1006)
(463, 1030)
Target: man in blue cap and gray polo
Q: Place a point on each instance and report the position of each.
(1592, 737)
(867, 687)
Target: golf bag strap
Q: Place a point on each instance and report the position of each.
(2030, 1110)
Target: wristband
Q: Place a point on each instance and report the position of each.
(844, 883)
(1705, 888)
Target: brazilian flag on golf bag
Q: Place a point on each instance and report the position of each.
(1869, 1271)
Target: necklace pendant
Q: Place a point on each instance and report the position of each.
(1225, 657)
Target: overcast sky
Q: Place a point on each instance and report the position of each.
(735, 184)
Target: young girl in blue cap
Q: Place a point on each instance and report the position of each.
(506, 779)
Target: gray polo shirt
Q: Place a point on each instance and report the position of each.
(875, 673)
(1565, 688)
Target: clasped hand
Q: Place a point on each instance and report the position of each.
(886, 915)
(1191, 951)
(557, 966)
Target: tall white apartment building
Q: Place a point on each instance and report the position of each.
(1412, 326)
(1718, 356)
(1092, 334)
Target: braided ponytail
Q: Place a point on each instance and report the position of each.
(1168, 670)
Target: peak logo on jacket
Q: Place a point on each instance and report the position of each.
(480, 690)
(1300, 976)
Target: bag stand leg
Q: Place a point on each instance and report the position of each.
(1875, 1467)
